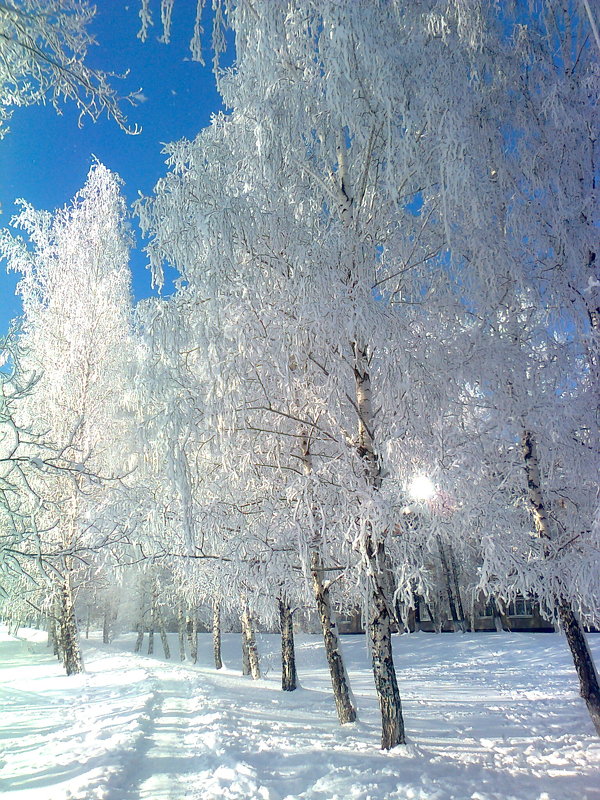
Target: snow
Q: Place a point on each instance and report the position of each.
(489, 717)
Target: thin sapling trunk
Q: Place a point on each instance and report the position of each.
(181, 630)
(216, 634)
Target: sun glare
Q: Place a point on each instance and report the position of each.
(421, 488)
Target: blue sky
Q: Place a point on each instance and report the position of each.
(45, 158)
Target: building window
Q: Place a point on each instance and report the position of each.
(489, 610)
(521, 607)
(423, 612)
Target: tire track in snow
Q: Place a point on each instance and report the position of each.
(120, 783)
(159, 766)
(222, 773)
(182, 752)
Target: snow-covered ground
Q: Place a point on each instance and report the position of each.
(489, 717)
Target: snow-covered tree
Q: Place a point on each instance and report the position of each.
(537, 223)
(76, 342)
(43, 49)
(309, 250)
(312, 216)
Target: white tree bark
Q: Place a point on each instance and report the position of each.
(163, 635)
(192, 634)
(181, 630)
(69, 635)
(245, 655)
(249, 642)
(152, 625)
(340, 684)
(216, 634)
(141, 617)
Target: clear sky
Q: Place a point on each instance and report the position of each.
(45, 158)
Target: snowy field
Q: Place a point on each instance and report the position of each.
(489, 717)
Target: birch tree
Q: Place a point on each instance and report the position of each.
(319, 218)
(539, 227)
(76, 329)
(358, 190)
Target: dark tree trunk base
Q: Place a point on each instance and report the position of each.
(69, 636)
(289, 676)
(386, 685)
(584, 664)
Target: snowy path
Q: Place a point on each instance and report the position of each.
(489, 718)
(163, 759)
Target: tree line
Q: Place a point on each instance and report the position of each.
(386, 252)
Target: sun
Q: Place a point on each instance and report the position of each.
(421, 488)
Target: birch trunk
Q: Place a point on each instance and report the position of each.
(384, 672)
(192, 634)
(69, 636)
(141, 620)
(151, 639)
(106, 626)
(194, 653)
(340, 684)
(181, 630)
(140, 637)
(457, 621)
(392, 722)
(245, 655)
(584, 664)
(250, 640)
(589, 687)
(467, 625)
(386, 685)
(152, 623)
(163, 636)
(430, 608)
(50, 629)
(56, 642)
(501, 621)
(339, 678)
(216, 634)
(289, 676)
